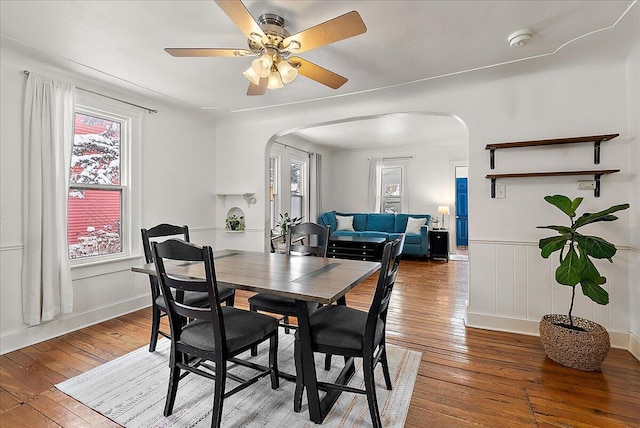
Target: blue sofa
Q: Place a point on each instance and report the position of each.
(389, 226)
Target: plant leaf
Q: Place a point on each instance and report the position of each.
(589, 271)
(596, 247)
(565, 204)
(551, 245)
(595, 292)
(568, 273)
(588, 218)
(562, 229)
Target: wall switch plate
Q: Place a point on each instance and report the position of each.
(586, 184)
(501, 191)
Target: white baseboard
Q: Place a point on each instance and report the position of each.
(634, 345)
(619, 339)
(28, 336)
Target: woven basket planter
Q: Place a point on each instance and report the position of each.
(582, 350)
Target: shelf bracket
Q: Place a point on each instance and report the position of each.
(492, 158)
(596, 151)
(596, 191)
(493, 187)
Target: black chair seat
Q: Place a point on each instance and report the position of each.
(338, 326)
(242, 328)
(273, 304)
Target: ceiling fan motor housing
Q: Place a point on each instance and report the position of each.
(273, 27)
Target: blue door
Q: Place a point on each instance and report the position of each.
(462, 213)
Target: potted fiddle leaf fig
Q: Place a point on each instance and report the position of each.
(568, 340)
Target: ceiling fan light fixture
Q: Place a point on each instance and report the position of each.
(251, 75)
(287, 72)
(294, 45)
(275, 82)
(262, 65)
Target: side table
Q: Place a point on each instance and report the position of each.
(439, 244)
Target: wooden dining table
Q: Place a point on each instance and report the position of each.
(307, 280)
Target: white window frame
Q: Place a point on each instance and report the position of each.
(403, 198)
(130, 166)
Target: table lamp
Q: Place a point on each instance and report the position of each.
(444, 210)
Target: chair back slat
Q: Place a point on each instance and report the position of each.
(386, 280)
(161, 231)
(173, 287)
(317, 237)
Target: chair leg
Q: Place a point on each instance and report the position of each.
(297, 395)
(231, 300)
(285, 319)
(155, 327)
(218, 395)
(385, 367)
(370, 386)
(273, 361)
(327, 361)
(254, 348)
(174, 378)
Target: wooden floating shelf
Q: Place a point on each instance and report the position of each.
(595, 139)
(596, 176)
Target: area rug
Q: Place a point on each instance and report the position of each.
(131, 390)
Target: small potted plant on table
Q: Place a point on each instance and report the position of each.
(572, 341)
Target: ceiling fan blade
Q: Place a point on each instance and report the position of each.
(211, 52)
(319, 74)
(242, 18)
(336, 29)
(258, 89)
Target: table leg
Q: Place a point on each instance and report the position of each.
(308, 362)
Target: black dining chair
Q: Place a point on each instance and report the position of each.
(317, 238)
(215, 333)
(341, 330)
(227, 294)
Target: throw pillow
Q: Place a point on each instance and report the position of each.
(414, 224)
(344, 222)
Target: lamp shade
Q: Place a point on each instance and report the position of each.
(287, 72)
(274, 81)
(262, 65)
(443, 209)
(252, 76)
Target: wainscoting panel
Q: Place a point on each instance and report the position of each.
(511, 287)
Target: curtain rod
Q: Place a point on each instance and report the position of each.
(150, 110)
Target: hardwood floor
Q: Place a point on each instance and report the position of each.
(468, 377)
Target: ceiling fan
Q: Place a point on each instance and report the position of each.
(268, 39)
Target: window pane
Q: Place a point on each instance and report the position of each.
(296, 178)
(296, 206)
(391, 181)
(391, 205)
(95, 218)
(96, 151)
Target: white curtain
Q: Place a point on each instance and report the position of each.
(375, 167)
(48, 137)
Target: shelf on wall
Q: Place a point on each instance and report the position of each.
(595, 139)
(249, 197)
(596, 176)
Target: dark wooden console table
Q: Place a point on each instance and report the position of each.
(356, 247)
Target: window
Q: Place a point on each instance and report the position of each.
(297, 189)
(99, 201)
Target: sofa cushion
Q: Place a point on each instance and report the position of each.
(344, 222)
(328, 219)
(401, 221)
(414, 225)
(381, 222)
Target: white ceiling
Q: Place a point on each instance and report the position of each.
(406, 41)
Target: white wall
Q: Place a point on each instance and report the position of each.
(511, 286)
(427, 176)
(178, 185)
(633, 113)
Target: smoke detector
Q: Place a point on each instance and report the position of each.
(520, 38)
